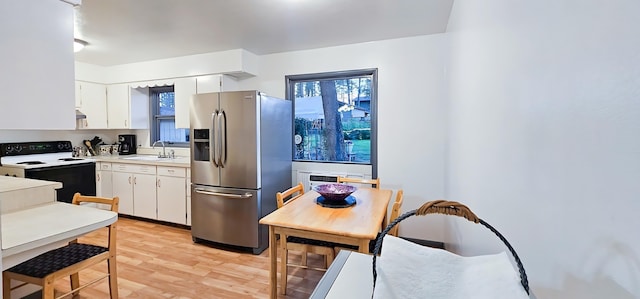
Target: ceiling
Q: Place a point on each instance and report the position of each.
(126, 31)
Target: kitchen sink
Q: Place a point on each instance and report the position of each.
(147, 158)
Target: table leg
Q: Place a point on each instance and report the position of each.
(364, 246)
(273, 263)
(384, 221)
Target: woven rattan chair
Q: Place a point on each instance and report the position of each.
(302, 245)
(448, 208)
(45, 269)
(375, 183)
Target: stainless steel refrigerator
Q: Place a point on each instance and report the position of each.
(241, 151)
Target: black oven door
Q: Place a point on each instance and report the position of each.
(74, 178)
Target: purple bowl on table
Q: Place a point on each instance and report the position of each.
(334, 192)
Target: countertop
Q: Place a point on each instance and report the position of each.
(8, 184)
(142, 159)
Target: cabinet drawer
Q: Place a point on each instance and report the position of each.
(135, 168)
(105, 166)
(172, 171)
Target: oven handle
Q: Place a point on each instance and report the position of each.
(231, 195)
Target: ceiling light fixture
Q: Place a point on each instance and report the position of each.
(78, 44)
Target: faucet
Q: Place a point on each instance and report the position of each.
(164, 154)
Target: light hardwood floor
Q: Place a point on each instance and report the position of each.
(159, 261)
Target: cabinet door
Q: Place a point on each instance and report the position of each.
(210, 83)
(183, 89)
(118, 106)
(37, 65)
(93, 105)
(144, 195)
(172, 199)
(105, 184)
(123, 188)
(78, 96)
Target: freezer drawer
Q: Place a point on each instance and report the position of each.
(225, 215)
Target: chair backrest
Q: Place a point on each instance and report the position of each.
(112, 202)
(395, 212)
(292, 193)
(375, 183)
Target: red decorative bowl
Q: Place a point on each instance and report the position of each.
(334, 192)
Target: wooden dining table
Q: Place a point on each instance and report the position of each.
(355, 225)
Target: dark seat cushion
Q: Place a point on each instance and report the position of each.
(56, 259)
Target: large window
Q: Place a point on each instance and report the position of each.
(334, 116)
(163, 124)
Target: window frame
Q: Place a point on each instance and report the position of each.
(154, 127)
(291, 80)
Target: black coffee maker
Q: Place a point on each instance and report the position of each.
(127, 144)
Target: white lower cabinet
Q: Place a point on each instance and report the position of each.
(153, 192)
(135, 184)
(104, 180)
(144, 195)
(172, 194)
(123, 188)
(188, 185)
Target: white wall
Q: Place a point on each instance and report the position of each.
(545, 139)
(411, 105)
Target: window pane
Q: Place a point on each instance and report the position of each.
(333, 120)
(166, 103)
(168, 131)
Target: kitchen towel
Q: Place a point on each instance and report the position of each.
(408, 270)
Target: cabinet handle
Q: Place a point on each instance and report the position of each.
(98, 177)
(129, 180)
(135, 180)
(158, 183)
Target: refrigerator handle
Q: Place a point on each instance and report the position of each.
(212, 139)
(220, 139)
(223, 139)
(231, 195)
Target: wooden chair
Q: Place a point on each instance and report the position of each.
(375, 183)
(302, 245)
(68, 260)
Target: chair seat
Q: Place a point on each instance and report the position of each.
(57, 259)
(299, 240)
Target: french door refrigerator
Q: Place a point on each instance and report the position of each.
(241, 151)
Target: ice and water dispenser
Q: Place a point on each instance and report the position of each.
(201, 146)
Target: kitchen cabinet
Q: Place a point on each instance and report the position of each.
(144, 195)
(127, 108)
(91, 99)
(172, 193)
(135, 184)
(184, 88)
(188, 196)
(123, 188)
(104, 180)
(37, 77)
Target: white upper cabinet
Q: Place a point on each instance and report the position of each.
(118, 106)
(183, 89)
(93, 103)
(128, 108)
(215, 83)
(37, 48)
